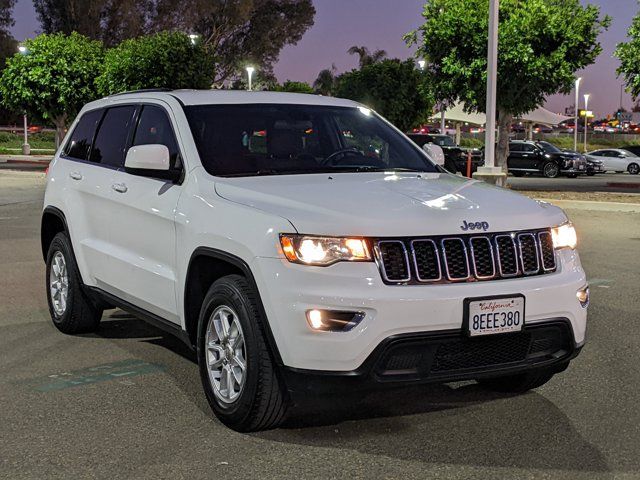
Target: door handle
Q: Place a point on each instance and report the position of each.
(75, 175)
(119, 187)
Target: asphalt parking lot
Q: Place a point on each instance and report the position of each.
(127, 402)
(605, 182)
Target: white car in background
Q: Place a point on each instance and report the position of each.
(616, 160)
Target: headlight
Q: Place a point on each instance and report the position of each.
(564, 236)
(324, 251)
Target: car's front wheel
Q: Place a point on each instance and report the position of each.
(238, 374)
(72, 311)
(633, 169)
(551, 170)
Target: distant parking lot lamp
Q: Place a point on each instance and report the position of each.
(22, 49)
(194, 38)
(421, 64)
(250, 71)
(575, 123)
(586, 118)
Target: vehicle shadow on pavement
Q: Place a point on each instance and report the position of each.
(461, 423)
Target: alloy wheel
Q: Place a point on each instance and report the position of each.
(59, 283)
(226, 354)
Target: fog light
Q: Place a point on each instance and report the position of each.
(332, 320)
(583, 296)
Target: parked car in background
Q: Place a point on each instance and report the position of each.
(455, 156)
(617, 160)
(543, 158)
(635, 149)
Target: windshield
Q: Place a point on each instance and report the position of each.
(444, 141)
(265, 139)
(549, 147)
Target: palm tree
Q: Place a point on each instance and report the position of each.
(325, 82)
(365, 57)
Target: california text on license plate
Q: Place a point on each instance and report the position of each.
(491, 315)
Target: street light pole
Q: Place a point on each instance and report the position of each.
(490, 172)
(26, 148)
(586, 119)
(250, 71)
(575, 123)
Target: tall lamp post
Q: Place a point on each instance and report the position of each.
(26, 148)
(577, 111)
(586, 118)
(250, 71)
(490, 172)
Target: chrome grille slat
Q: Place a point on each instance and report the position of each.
(464, 258)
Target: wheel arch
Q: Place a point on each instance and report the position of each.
(207, 265)
(52, 222)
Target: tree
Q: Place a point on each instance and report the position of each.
(542, 43)
(294, 87)
(7, 42)
(395, 89)
(365, 57)
(162, 60)
(238, 31)
(325, 82)
(111, 21)
(629, 55)
(54, 79)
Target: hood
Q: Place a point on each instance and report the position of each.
(383, 204)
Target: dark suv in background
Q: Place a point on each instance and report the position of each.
(544, 158)
(455, 156)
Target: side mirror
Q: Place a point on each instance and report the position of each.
(433, 155)
(148, 157)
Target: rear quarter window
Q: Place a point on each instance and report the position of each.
(79, 144)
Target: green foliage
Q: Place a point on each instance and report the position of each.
(54, 79)
(395, 89)
(294, 87)
(629, 55)
(325, 82)
(542, 43)
(365, 57)
(162, 60)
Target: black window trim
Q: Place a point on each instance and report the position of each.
(138, 106)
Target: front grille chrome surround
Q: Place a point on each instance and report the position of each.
(465, 258)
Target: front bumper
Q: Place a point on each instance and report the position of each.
(288, 290)
(445, 357)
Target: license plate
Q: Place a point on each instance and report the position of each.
(493, 315)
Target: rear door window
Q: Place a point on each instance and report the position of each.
(111, 141)
(79, 144)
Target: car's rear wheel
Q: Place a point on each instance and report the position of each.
(72, 311)
(633, 169)
(518, 383)
(550, 170)
(238, 374)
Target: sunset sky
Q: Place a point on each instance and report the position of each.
(380, 24)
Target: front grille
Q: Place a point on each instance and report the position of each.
(481, 352)
(466, 257)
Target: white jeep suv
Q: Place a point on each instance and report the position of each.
(302, 245)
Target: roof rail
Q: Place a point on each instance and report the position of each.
(143, 90)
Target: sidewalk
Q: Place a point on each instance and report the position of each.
(24, 162)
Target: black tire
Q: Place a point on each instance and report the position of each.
(518, 383)
(551, 170)
(262, 402)
(633, 168)
(80, 314)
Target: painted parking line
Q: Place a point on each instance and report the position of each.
(600, 282)
(98, 373)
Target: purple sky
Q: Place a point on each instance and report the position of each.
(381, 24)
